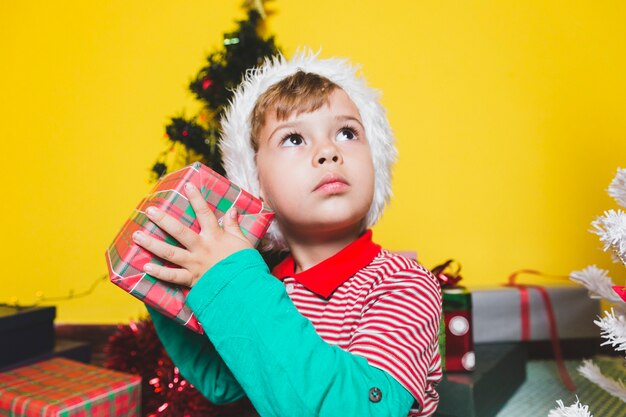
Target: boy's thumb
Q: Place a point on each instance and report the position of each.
(230, 223)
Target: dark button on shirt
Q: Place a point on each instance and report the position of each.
(375, 395)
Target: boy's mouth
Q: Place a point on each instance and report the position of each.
(331, 183)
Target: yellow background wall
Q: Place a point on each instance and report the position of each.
(510, 120)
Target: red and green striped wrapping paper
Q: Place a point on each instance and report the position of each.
(64, 388)
(125, 259)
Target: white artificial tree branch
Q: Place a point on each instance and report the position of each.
(590, 370)
(597, 282)
(613, 329)
(617, 188)
(574, 410)
(611, 227)
(616, 259)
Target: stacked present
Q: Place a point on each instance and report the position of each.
(61, 387)
(505, 321)
(497, 370)
(30, 330)
(558, 317)
(458, 350)
(125, 259)
(41, 375)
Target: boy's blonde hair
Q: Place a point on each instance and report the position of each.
(302, 92)
(238, 126)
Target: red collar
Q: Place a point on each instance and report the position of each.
(324, 278)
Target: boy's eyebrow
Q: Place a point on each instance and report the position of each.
(282, 126)
(347, 117)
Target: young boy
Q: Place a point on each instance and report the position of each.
(342, 327)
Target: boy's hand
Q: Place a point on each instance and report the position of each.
(200, 251)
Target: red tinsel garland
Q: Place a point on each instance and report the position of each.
(135, 348)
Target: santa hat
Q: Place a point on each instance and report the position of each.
(238, 153)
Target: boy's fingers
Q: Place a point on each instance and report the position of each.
(174, 275)
(161, 249)
(230, 223)
(204, 214)
(171, 226)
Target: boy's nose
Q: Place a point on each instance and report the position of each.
(328, 154)
(323, 159)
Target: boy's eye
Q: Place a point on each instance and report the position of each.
(346, 134)
(292, 139)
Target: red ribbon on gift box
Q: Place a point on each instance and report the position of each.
(525, 317)
(447, 278)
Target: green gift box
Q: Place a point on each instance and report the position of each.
(456, 345)
(457, 330)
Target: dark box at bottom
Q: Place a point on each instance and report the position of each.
(69, 349)
(25, 332)
(500, 370)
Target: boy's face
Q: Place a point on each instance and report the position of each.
(316, 170)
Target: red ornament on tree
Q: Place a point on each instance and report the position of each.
(206, 83)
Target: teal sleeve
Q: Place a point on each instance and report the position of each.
(198, 361)
(282, 364)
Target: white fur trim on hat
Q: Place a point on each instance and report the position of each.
(236, 145)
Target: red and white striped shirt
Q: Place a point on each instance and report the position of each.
(378, 305)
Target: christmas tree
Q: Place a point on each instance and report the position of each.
(611, 228)
(197, 138)
(136, 348)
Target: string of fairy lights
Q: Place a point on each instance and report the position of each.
(41, 298)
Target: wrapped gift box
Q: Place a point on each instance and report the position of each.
(61, 387)
(500, 370)
(496, 314)
(26, 332)
(125, 259)
(457, 317)
(456, 343)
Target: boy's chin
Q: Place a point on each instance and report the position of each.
(343, 208)
(333, 225)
